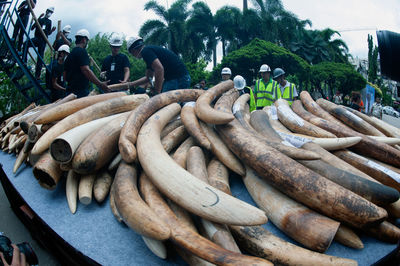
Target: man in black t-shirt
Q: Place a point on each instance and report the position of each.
(62, 38)
(56, 78)
(168, 69)
(116, 66)
(23, 12)
(39, 41)
(76, 68)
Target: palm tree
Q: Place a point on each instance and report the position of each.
(202, 33)
(170, 30)
(244, 5)
(316, 46)
(227, 21)
(337, 48)
(278, 25)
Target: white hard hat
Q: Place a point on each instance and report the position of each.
(116, 41)
(226, 71)
(63, 48)
(265, 68)
(133, 42)
(83, 33)
(239, 82)
(67, 28)
(51, 9)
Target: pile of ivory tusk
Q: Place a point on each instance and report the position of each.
(318, 171)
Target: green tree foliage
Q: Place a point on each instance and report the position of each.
(201, 32)
(317, 46)
(170, 30)
(197, 71)
(247, 61)
(99, 49)
(342, 77)
(11, 100)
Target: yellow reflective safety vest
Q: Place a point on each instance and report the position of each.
(263, 94)
(287, 93)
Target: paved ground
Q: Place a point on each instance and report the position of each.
(15, 230)
(391, 120)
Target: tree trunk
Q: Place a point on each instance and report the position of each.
(244, 5)
(215, 55)
(223, 48)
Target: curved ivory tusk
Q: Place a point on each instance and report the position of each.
(136, 119)
(182, 187)
(211, 115)
(348, 238)
(98, 110)
(189, 119)
(309, 228)
(297, 124)
(134, 211)
(99, 147)
(260, 242)
(102, 185)
(47, 171)
(63, 110)
(63, 148)
(296, 180)
(71, 190)
(85, 189)
(156, 246)
(221, 151)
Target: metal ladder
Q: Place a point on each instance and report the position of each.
(11, 61)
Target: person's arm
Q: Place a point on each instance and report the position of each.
(295, 93)
(158, 74)
(33, 4)
(126, 75)
(66, 41)
(88, 73)
(56, 85)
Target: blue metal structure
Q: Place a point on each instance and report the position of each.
(11, 61)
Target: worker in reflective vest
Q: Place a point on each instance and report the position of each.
(286, 90)
(264, 92)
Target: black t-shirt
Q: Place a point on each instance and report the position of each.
(173, 65)
(25, 8)
(77, 82)
(46, 27)
(57, 72)
(114, 65)
(60, 42)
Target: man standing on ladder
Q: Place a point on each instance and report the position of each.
(39, 40)
(22, 22)
(62, 38)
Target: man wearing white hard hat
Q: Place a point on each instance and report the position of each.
(168, 69)
(286, 89)
(226, 73)
(115, 67)
(77, 70)
(264, 92)
(21, 23)
(39, 41)
(55, 80)
(62, 38)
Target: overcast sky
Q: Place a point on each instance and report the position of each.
(353, 18)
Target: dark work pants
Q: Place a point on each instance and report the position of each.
(41, 45)
(19, 30)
